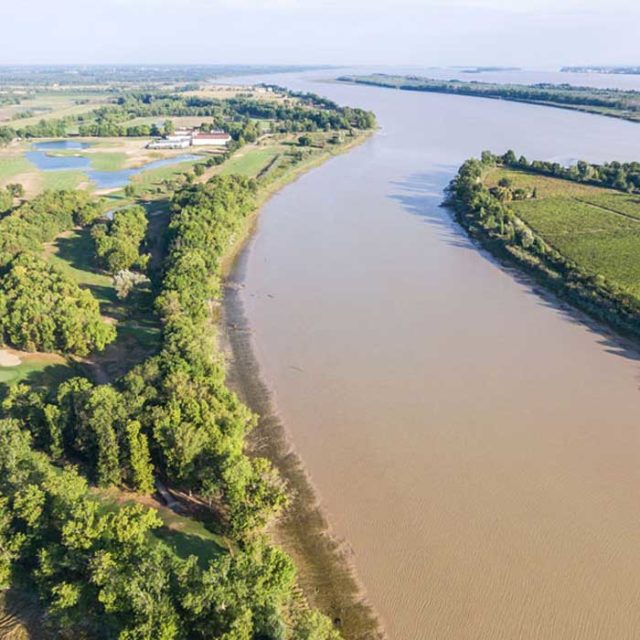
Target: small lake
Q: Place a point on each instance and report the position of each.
(41, 157)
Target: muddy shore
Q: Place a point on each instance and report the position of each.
(325, 564)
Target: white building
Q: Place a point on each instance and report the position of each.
(213, 139)
(178, 137)
(166, 143)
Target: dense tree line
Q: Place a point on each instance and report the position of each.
(40, 220)
(118, 241)
(490, 218)
(623, 176)
(626, 70)
(101, 573)
(200, 426)
(115, 78)
(88, 423)
(51, 128)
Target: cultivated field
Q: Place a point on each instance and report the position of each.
(47, 105)
(597, 228)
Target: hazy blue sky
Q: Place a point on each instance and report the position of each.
(420, 32)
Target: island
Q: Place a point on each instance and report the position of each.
(131, 503)
(574, 229)
(608, 102)
(623, 70)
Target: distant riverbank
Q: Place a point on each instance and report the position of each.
(614, 103)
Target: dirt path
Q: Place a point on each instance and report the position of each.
(9, 359)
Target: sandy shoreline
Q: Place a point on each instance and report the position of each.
(325, 567)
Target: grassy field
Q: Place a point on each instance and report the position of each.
(138, 329)
(62, 179)
(49, 105)
(185, 535)
(13, 165)
(43, 370)
(597, 228)
(72, 253)
(154, 177)
(33, 368)
(252, 161)
(108, 161)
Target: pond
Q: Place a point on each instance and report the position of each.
(41, 157)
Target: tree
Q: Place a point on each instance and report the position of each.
(117, 243)
(42, 309)
(312, 625)
(305, 141)
(101, 426)
(140, 467)
(168, 128)
(509, 158)
(16, 190)
(6, 200)
(11, 543)
(126, 281)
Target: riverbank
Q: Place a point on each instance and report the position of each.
(325, 566)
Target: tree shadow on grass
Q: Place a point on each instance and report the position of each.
(108, 299)
(45, 379)
(186, 544)
(78, 250)
(21, 608)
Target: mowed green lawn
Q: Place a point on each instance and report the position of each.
(107, 161)
(251, 162)
(55, 180)
(184, 535)
(73, 254)
(12, 165)
(599, 229)
(154, 177)
(39, 371)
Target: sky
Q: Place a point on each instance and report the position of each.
(527, 33)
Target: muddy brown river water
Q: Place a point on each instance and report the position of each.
(476, 443)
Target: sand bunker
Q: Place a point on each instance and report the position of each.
(8, 359)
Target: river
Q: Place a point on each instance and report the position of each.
(475, 442)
